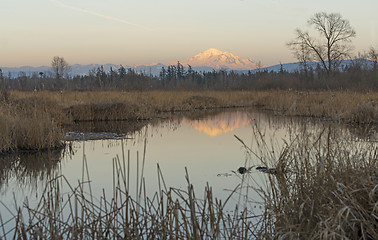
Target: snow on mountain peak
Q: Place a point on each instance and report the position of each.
(211, 52)
(207, 60)
(217, 59)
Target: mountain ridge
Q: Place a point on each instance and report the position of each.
(205, 61)
(208, 60)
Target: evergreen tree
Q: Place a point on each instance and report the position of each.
(122, 72)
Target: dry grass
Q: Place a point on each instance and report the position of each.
(33, 120)
(325, 187)
(343, 105)
(28, 126)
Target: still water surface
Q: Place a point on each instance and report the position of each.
(205, 144)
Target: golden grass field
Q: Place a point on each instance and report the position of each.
(33, 120)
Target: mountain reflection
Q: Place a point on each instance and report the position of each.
(221, 123)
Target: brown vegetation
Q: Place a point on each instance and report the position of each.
(29, 124)
(323, 187)
(112, 105)
(34, 120)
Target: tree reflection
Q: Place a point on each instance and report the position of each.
(28, 168)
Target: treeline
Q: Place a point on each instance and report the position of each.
(359, 75)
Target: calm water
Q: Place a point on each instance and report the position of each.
(203, 143)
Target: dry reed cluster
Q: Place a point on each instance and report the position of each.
(33, 120)
(324, 187)
(29, 124)
(339, 106)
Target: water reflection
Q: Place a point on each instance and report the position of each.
(221, 123)
(204, 142)
(365, 133)
(27, 168)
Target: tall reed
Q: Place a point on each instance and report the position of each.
(73, 212)
(29, 125)
(323, 187)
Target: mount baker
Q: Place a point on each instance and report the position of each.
(217, 59)
(203, 61)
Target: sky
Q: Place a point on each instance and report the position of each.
(131, 32)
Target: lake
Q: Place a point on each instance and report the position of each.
(211, 145)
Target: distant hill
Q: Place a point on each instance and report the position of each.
(27, 70)
(209, 60)
(292, 67)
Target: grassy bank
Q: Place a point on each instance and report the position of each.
(112, 105)
(33, 120)
(28, 124)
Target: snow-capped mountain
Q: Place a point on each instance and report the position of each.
(216, 59)
(209, 60)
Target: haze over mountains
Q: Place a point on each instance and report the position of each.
(209, 60)
(203, 61)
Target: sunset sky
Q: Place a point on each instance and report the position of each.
(148, 31)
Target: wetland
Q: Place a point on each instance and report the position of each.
(191, 158)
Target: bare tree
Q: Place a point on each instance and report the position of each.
(373, 56)
(60, 67)
(335, 34)
(301, 52)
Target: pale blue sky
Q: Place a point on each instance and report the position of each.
(147, 31)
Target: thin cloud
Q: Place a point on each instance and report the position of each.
(59, 3)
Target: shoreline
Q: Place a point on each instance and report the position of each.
(36, 120)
